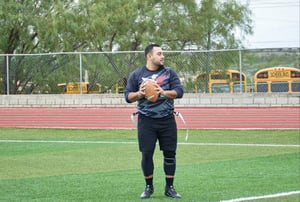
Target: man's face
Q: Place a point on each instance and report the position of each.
(157, 57)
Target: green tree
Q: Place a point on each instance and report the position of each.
(221, 23)
(31, 26)
(28, 26)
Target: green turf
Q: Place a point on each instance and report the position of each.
(111, 172)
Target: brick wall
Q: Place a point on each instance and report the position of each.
(77, 100)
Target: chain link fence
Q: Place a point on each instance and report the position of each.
(107, 72)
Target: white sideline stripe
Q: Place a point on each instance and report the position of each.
(67, 141)
(263, 197)
(115, 142)
(241, 145)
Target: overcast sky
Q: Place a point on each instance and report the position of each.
(275, 22)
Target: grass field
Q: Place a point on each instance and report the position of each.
(104, 165)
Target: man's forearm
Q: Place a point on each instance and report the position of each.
(169, 93)
(134, 96)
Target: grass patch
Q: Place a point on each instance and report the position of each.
(111, 172)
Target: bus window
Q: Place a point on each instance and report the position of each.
(279, 86)
(262, 87)
(236, 77)
(237, 87)
(219, 76)
(220, 88)
(296, 86)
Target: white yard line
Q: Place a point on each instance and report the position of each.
(116, 142)
(263, 197)
(241, 145)
(67, 141)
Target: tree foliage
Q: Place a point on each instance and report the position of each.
(221, 23)
(31, 26)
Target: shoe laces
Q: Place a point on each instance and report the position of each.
(149, 188)
(171, 188)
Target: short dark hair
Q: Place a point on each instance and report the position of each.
(149, 48)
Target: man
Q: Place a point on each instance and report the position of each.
(156, 120)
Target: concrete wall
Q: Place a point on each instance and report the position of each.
(99, 100)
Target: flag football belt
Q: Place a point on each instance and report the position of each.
(134, 121)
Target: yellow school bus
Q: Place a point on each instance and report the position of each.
(74, 87)
(277, 79)
(218, 81)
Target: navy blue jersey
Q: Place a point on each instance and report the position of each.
(166, 78)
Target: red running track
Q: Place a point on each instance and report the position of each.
(119, 117)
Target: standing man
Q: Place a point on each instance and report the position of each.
(156, 120)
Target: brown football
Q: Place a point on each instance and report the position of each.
(150, 90)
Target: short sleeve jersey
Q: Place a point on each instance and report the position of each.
(166, 78)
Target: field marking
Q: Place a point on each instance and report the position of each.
(262, 197)
(67, 141)
(240, 145)
(116, 142)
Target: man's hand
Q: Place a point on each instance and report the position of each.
(141, 92)
(166, 93)
(159, 90)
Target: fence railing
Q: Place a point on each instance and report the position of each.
(107, 72)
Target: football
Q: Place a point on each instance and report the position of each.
(151, 92)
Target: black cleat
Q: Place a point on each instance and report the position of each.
(171, 192)
(147, 192)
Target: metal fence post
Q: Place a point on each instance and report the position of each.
(80, 69)
(240, 60)
(7, 75)
(207, 70)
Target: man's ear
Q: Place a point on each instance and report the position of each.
(149, 56)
